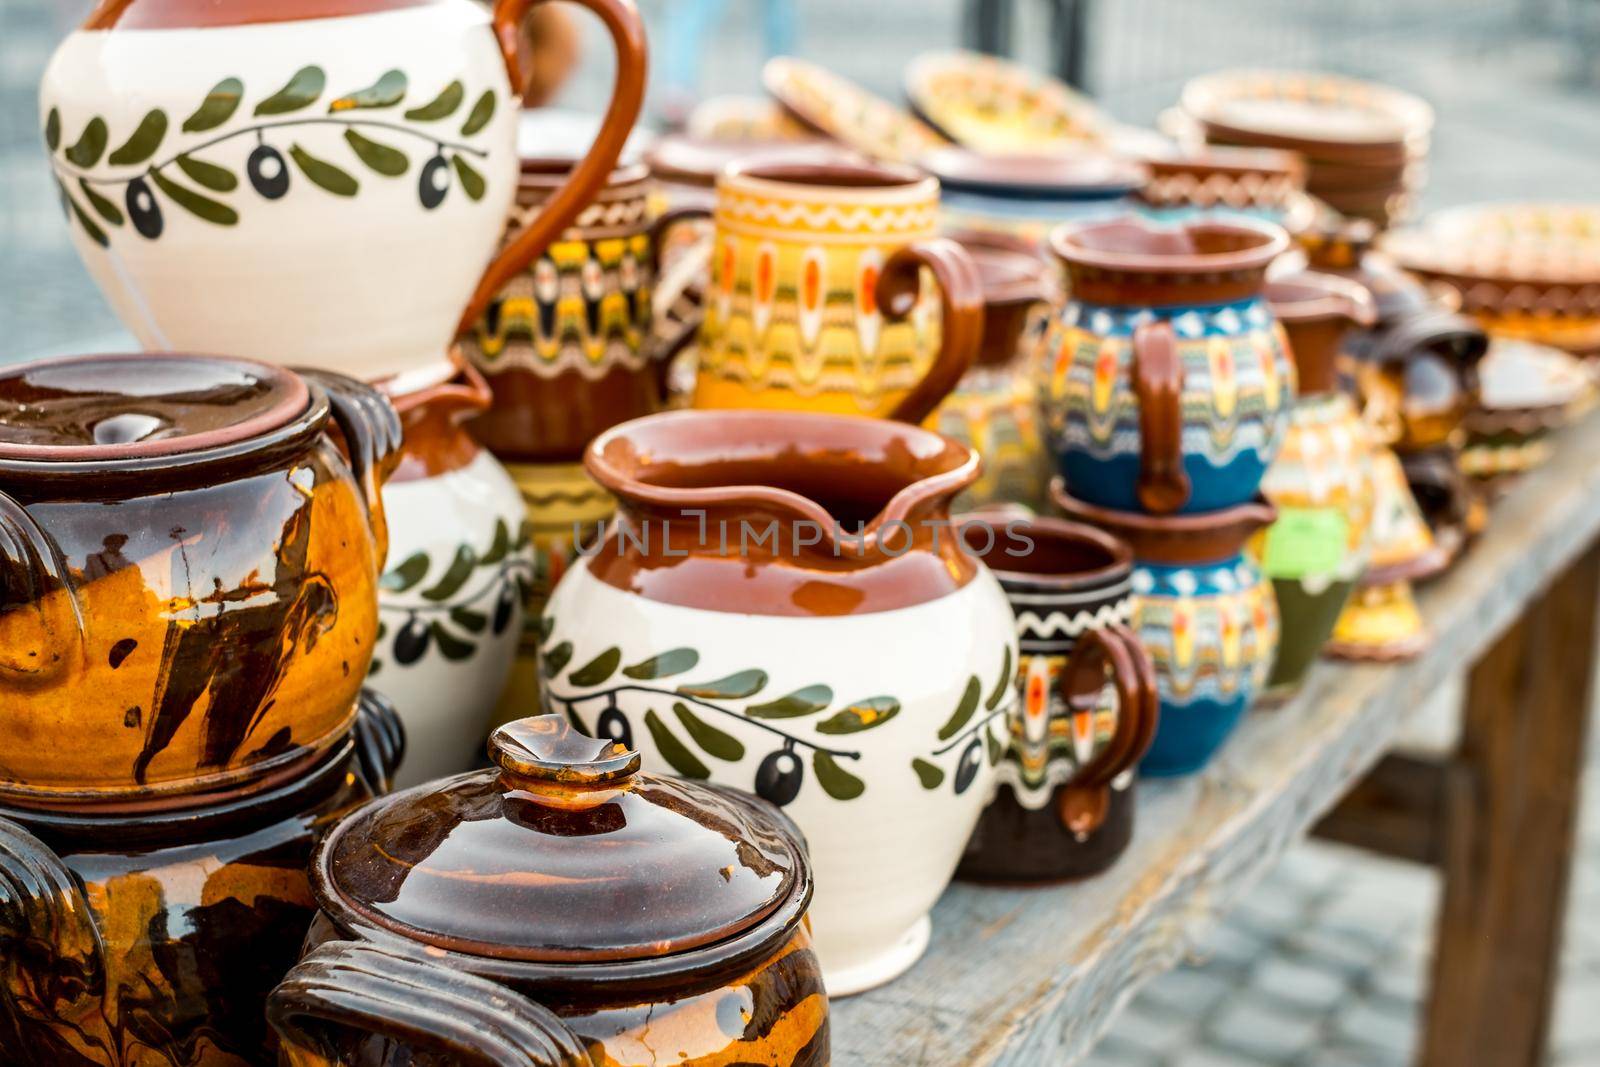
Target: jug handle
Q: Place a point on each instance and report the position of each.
(423, 1003)
(1158, 383)
(666, 351)
(45, 922)
(622, 20)
(464, 393)
(380, 740)
(961, 303)
(32, 571)
(1083, 803)
(372, 440)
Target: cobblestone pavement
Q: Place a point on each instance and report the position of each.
(1324, 964)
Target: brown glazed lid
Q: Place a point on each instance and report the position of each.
(1129, 261)
(565, 853)
(1089, 176)
(93, 409)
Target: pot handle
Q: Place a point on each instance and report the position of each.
(372, 439)
(1158, 383)
(666, 351)
(622, 20)
(961, 302)
(358, 986)
(380, 740)
(33, 578)
(50, 946)
(1082, 804)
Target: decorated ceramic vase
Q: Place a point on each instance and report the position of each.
(1205, 614)
(1088, 705)
(568, 345)
(816, 300)
(313, 181)
(1322, 481)
(995, 407)
(560, 909)
(1168, 384)
(1027, 196)
(781, 607)
(136, 937)
(191, 555)
(461, 565)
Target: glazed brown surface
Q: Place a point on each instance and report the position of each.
(1127, 261)
(1014, 279)
(1174, 540)
(802, 476)
(1317, 310)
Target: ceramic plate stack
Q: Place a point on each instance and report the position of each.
(1365, 145)
(1522, 270)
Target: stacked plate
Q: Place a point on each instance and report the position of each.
(1365, 145)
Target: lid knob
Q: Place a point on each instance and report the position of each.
(546, 756)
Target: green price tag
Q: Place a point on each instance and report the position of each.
(1305, 543)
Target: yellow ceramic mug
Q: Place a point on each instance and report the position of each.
(816, 301)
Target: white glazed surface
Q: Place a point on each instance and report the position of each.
(370, 284)
(881, 859)
(446, 705)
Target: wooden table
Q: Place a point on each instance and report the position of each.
(1035, 976)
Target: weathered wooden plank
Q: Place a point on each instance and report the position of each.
(1398, 810)
(1033, 976)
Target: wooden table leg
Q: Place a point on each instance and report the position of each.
(1510, 833)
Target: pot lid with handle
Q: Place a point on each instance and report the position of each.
(564, 852)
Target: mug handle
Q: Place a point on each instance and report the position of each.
(1158, 383)
(1083, 803)
(961, 303)
(356, 985)
(372, 439)
(622, 20)
(668, 350)
(380, 740)
(32, 572)
(45, 919)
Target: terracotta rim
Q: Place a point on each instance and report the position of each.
(1061, 531)
(1268, 241)
(294, 401)
(546, 174)
(697, 161)
(783, 178)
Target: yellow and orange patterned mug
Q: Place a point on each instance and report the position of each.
(816, 299)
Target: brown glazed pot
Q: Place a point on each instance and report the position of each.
(558, 910)
(190, 555)
(136, 938)
(1064, 807)
(567, 344)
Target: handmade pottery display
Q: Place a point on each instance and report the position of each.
(1028, 195)
(192, 549)
(450, 604)
(316, 182)
(834, 106)
(1322, 481)
(1064, 807)
(152, 937)
(1204, 613)
(1365, 144)
(568, 345)
(495, 917)
(816, 299)
(1526, 271)
(780, 607)
(1261, 183)
(1167, 384)
(994, 106)
(1526, 390)
(995, 407)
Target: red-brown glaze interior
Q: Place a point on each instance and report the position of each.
(833, 175)
(1047, 551)
(697, 161)
(1128, 261)
(202, 14)
(860, 508)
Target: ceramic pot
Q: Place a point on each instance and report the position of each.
(1322, 481)
(461, 566)
(567, 345)
(735, 626)
(312, 181)
(1526, 392)
(191, 565)
(1168, 383)
(1088, 706)
(559, 909)
(1257, 183)
(995, 407)
(816, 299)
(136, 937)
(1027, 196)
(1204, 613)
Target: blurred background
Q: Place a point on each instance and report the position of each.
(1324, 965)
